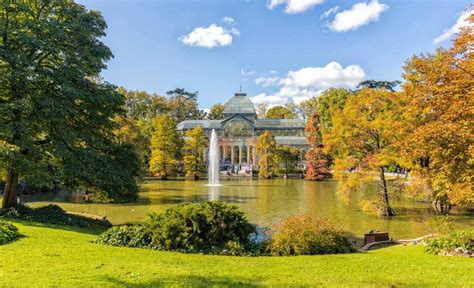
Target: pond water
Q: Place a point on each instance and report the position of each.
(266, 202)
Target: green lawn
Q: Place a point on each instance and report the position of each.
(59, 256)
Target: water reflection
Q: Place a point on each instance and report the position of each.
(266, 202)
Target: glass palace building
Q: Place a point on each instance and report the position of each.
(240, 128)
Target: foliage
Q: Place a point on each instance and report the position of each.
(165, 146)
(287, 157)
(216, 112)
(183, 105)
(50, 214)
(308, 107)
(329, 102)
(439, 112)
(279, 112)
(306, 235)
(450, 242)
(8, 232)
(316, 161)
(56, 112)
(136, 236)
(267, 153)
(373, 84)
(194, 146)
(365, 139)
(199, 227)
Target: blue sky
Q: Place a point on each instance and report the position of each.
(285, 44)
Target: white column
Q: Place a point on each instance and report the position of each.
(254, 152)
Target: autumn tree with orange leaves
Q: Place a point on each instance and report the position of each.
(439, 90)
(316, 161)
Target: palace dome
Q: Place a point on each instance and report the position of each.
(241, 104)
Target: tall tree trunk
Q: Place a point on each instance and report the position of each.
(11, 187)
(386, 210)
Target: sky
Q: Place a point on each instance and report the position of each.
(280, 51)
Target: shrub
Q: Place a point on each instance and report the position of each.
(8, 232)
(447, 244)
(50, 214)
(136, 235)
(200, 227)
(306, 235)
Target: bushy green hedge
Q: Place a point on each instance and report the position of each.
(136, 235)
(199, 227)
(306, 235)
(210, 227)
(449, 242)
(8, 232)
(50, 214)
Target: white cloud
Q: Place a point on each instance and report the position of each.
(461, 22)
(359, 15)
(272, 72)
(308, 82)
(228, 20)
(328, 13)
(294, 6)
(267, 81)
(209, 37)
(243, 72)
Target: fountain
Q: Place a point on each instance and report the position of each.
(213, 160)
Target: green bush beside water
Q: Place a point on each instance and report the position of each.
(8, 232)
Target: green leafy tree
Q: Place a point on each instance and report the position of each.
(267, 153)
(331, 101)
(217, 112)
(280, 112)
(287, 157)
(308, 107)
(194, 146)
(56, 113)
(183, 105)
(364, 139)
(165, 146)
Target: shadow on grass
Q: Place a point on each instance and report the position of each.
(92, 230)
(181, 280)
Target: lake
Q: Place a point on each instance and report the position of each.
(266, 202)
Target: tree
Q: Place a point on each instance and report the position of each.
(439, 93)
(194, 146)
(316, 161)
(331, 101)
(308, 107)
(183, 105)
(280, 112)
(364, 139)
(217, 112)
(267, 153)
(287, 156)
(56, 113)
(373, 84)
(165, 146)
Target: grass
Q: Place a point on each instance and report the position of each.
(60, 256)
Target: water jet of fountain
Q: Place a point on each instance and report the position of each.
(213, 160)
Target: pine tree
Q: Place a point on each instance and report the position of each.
(316, 161)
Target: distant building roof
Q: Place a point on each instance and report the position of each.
(279, 123)
(204, 124)
(291, 140)
(240, 103)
